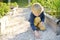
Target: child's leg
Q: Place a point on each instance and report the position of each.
(41, 26)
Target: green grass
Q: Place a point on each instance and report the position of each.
(22, 3)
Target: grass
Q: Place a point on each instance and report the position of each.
(22, 3)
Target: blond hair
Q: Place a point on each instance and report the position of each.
(37, 6)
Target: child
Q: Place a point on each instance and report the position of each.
(37, 18)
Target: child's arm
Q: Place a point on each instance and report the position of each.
(32, 22)
(41, 24)
(42, 16)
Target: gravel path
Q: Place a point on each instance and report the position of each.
(28, 35)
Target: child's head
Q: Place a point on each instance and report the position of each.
(36, 9)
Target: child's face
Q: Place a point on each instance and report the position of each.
(36, 12)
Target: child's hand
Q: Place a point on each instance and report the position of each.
(36, 33)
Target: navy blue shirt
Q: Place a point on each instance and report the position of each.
(32, 17)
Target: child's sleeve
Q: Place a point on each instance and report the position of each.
(32, 22)
(42, 16)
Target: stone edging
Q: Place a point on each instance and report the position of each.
(51, 21)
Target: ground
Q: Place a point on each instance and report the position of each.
(49, 34)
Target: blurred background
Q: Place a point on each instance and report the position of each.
(14, 16)
(52, 7)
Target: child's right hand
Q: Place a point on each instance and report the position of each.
(36, 34)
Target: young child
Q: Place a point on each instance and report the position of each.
(37, 18)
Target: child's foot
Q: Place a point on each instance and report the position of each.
(36, 34)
